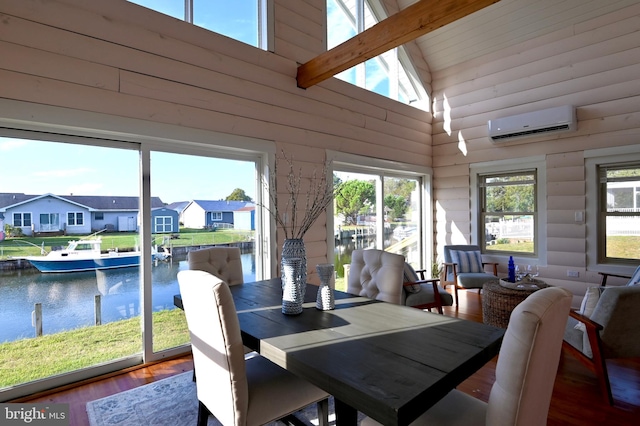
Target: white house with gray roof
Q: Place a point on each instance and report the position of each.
(207, 214)
(80, 214)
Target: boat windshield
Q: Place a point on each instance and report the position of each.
(84, 246)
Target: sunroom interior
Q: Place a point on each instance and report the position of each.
(172, 89)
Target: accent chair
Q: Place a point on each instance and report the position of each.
(607, 326)
(464, 268)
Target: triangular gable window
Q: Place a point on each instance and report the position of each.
(390, 74)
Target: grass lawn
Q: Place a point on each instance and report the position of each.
(31, 359)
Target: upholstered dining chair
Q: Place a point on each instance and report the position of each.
(464, 268)
(237, 391)
(525, 372)
(223, 262)
(607, 326)
(385, 276)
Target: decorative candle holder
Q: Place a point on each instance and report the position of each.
(325, 300)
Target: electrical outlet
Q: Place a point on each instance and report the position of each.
(573, 274)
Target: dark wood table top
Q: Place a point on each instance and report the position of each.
(388, 361)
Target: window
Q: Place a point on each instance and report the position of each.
(242, 20)
(99, 215)
(390, 74)
(130, 298)
(163, 224)
(216, 216)
(619, 213)
(22, 219)
(508, 212)
(379, 207)
(75, 219)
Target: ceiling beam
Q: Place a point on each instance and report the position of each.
(416, 20)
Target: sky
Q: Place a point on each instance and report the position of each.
(37, 167)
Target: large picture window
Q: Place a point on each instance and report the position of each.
(619, 213)
(508, 212)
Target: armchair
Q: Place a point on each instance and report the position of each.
(381, 275)
(464, 268)
(607, 326)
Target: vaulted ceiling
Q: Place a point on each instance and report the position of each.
(505, 24)
(449, 32)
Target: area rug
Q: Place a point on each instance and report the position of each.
(167, 402)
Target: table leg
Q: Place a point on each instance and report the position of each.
(345, 414)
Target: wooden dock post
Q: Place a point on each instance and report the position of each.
(98, 309)
(36, 319)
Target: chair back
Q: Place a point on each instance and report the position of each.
(529, 358)
(617, 311)
(223, 262)
(376, 274)
(216, 343)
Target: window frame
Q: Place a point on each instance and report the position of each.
(75, 216)
(343, 162)
(22, 219)
(596, 232)
(538, 163)
(373, 9)
(79, 127)
(483, 213)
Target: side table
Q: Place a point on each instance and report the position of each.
(498, 302)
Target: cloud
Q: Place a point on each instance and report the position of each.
(7, 144)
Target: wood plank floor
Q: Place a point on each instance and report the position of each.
(576, 400)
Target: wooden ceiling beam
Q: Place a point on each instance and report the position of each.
(416, 20)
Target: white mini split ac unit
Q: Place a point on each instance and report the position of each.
(536, 123)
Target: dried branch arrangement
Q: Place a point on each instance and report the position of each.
(314, 200)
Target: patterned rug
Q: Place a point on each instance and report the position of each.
(171, 402)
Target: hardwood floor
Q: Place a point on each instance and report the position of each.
(575, 401)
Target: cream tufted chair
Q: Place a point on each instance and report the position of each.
(223, 262)
(237, 391)
(525, 373)
(376, 274)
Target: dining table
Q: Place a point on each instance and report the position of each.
(387, 361)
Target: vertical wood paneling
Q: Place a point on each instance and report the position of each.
(593, 67)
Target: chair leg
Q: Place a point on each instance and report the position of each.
(455, 290)
(203, 414)
(323, 412)
(600, 366)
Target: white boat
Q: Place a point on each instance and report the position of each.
(86, 255)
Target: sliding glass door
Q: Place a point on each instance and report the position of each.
(129, 213)
(379, 208)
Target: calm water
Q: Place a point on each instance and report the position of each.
(68, 299)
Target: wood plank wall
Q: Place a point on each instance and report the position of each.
(594, 66)
(119, 59)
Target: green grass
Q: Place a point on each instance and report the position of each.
(26, 246)
(26, 360)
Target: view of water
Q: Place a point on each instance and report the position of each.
(68, 299)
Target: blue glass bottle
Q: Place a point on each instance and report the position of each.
(512, 270)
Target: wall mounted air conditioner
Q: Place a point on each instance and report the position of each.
(536, 123)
